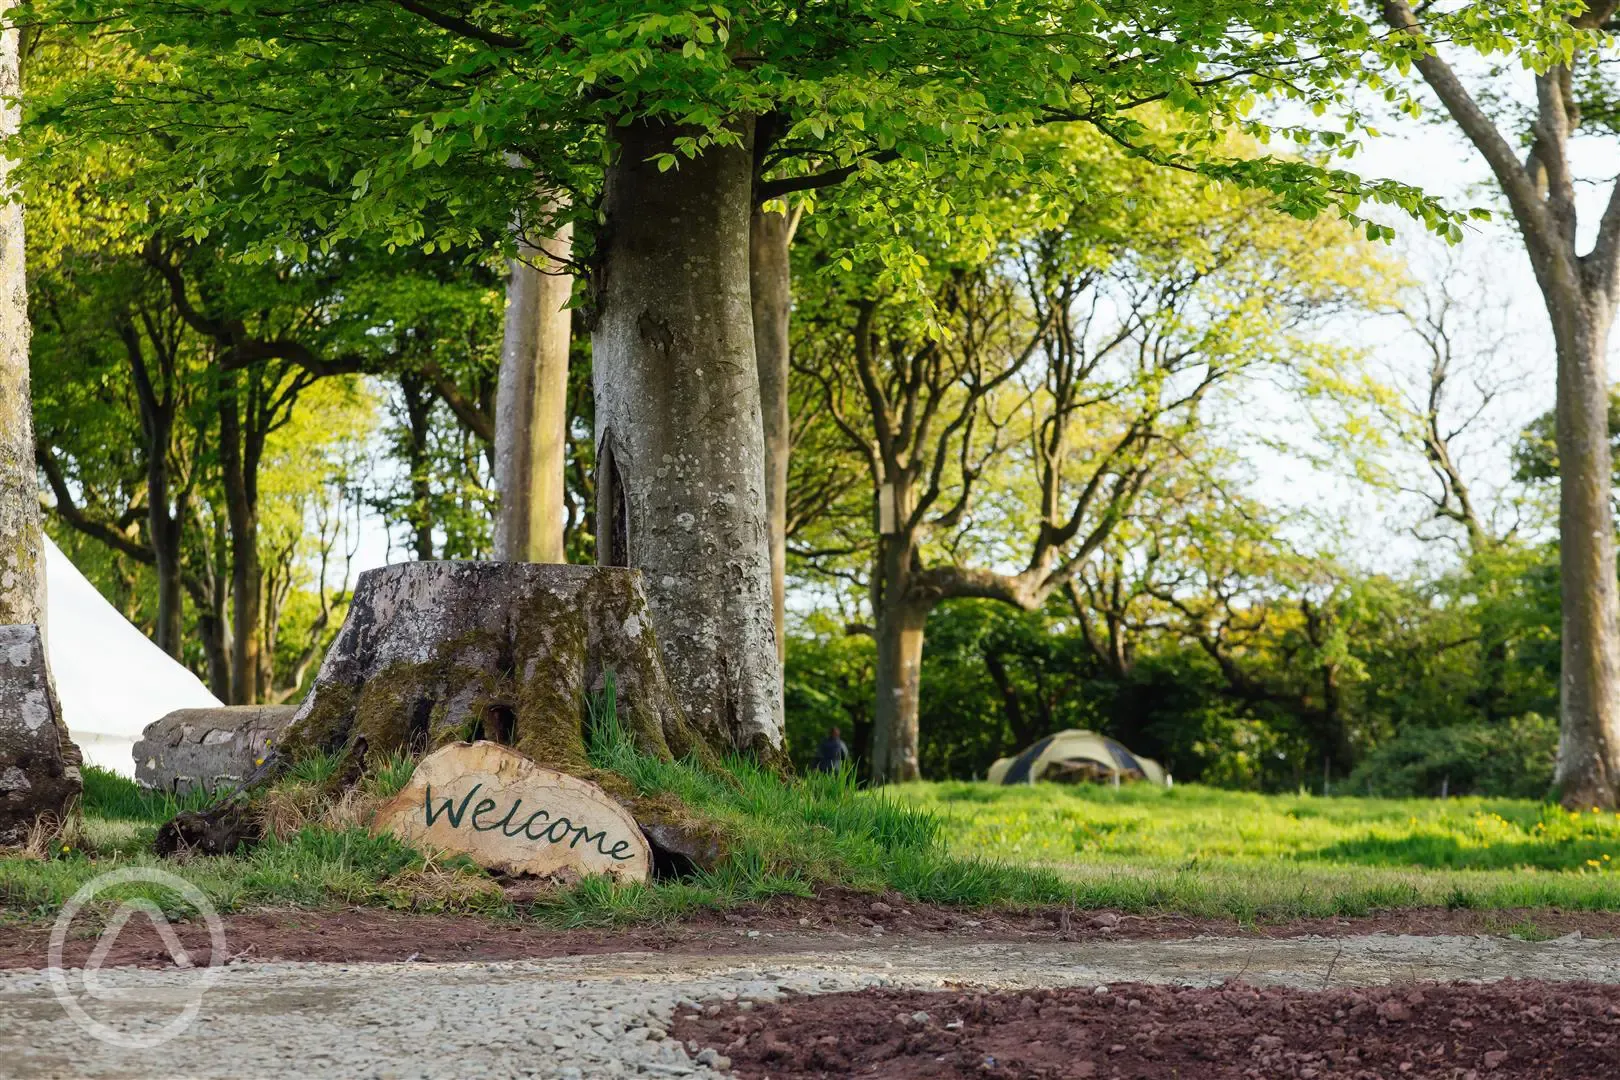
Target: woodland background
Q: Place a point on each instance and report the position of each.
(1155, 363)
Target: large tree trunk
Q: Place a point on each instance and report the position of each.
(1589, 744)
(22, 543)
(771, 290)
(1580, 295)
(680, 452)
(531, 408)
(436, 652)
(39, 765)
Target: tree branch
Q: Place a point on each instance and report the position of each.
(457, 25)
(1516, 182)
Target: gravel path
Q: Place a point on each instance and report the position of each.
(606, 1015)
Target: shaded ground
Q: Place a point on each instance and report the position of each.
(375, 934)
(1501, 1031)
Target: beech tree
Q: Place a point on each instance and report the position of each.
(531, 421)
(1068, 369)
(1563, 44)
(39, 764)
(22, 551)
(398, 119)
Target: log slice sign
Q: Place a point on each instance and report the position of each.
(506, 813)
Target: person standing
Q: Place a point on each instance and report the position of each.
(832, 754)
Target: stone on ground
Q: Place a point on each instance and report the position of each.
(510, 815)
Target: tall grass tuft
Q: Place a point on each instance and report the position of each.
(316, 769)
(108, 795)
(389, 777)
(607, 742)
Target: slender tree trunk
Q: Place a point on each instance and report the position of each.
(22, 540)
(1589, 745)
(771, 289)
(1335, 732)
(680, 453)
(239, 461)
(208, 597)
(900, 620)
(155, 401)
(1012, 705)
(531, 405)
(164, 526)
(211, 627)
(246, 596)
(899, 687)
(171, 591)
(418, 416)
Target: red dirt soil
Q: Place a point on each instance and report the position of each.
(835, 919)
(1516, 1030)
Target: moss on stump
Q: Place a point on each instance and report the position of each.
(436, 652)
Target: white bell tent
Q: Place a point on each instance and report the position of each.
(111, 680)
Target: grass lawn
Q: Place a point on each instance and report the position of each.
(1203, 851)
(1194, 851)
(784, 838)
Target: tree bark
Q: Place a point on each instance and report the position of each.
(771, 292)
(240, 449)
(166, 550)
(22, 543)
(39, 764)
(157, 409)
(1580, 293)
(531, 409)
(210, 598)
(431, 653)
(1588, 771)
(680, 454)
(895, 729)
(418, 417)
(901, 618)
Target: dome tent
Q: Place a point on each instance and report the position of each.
(110, 679)
(1076, 755)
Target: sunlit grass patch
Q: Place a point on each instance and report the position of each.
(1190, 851)
(1204, 851)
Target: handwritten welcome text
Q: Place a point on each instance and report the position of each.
(552, 830)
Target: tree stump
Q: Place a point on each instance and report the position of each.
(39, 765)
(438, 652)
